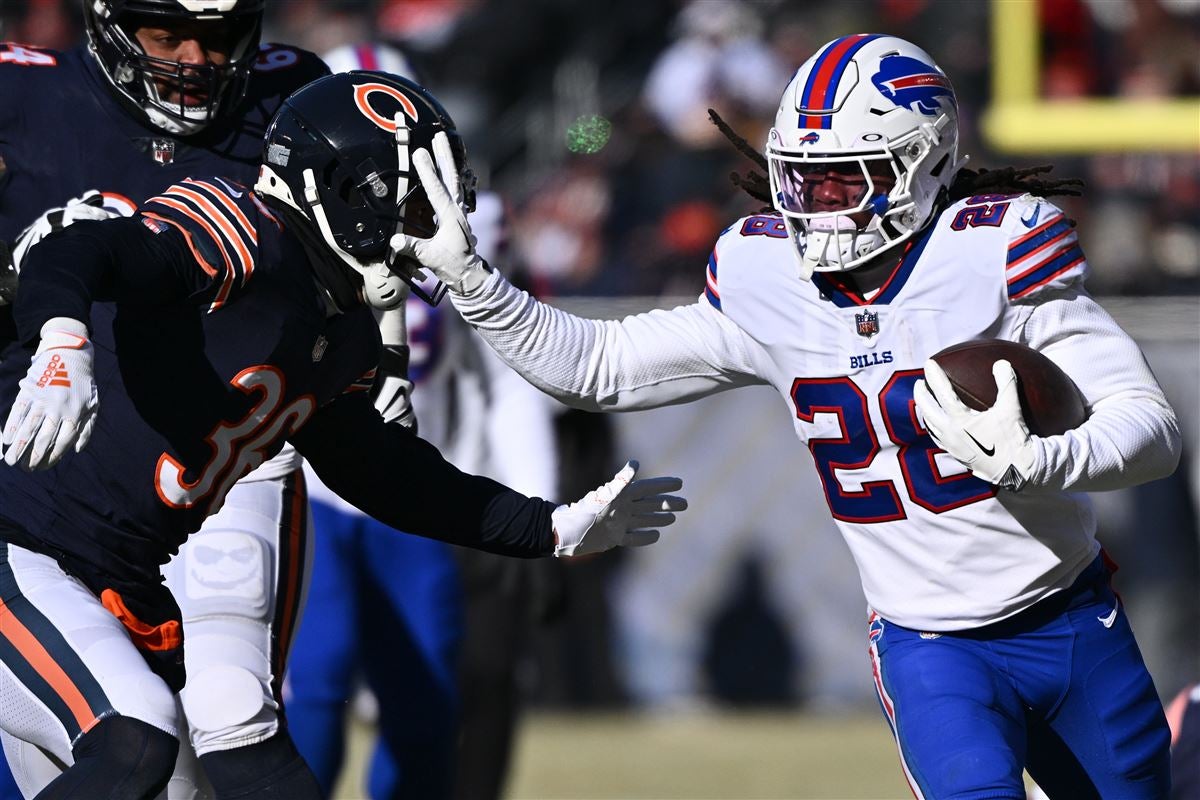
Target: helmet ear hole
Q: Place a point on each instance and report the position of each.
(939, 166)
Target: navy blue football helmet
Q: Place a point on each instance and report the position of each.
(337, 165)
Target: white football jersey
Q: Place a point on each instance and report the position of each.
(937, 548)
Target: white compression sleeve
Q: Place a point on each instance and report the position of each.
(1132, 435)
(644, 361)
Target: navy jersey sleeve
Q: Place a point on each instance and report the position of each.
(219, 220)
(117, 259)
(404, 482)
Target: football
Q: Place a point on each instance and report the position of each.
(1050, 400)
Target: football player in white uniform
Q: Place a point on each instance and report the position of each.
(996, 643)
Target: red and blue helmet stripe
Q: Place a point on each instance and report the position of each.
(827, 70)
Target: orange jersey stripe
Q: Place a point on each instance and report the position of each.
(44, 664)
(208, 268)
(222, 221)
(229, 206)
(227, 281)
(291, 586)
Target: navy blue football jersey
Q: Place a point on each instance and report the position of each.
(222, 347)
(63, 131)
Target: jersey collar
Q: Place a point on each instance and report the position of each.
(835, 286)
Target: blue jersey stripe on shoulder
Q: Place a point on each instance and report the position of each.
(1045, 273)
(711, 289)
(1026, 245)
(713, 298)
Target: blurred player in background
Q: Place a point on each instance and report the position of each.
(996, 641)
(162, 90)
(402, 626)
(241, 323)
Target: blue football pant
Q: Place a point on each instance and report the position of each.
(385, 607)
(1053, 690)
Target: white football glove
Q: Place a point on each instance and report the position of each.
(994, 444)
(450, 253)
(392, 393)
(56, 405)
(89, 205)
(618, 514)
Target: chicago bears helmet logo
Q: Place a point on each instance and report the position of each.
(362, 95)
(913, 84)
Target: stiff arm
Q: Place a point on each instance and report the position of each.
(648, 360)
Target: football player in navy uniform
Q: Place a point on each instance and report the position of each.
(243, 320)
(164, 89)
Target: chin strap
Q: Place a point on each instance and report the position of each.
(380, 288)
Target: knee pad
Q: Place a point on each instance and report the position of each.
(227, 705)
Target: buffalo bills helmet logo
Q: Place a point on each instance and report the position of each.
(913, 84)
(811, 137)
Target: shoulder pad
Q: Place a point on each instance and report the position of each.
(286, 68)
(1041, 248)
(218, 219)
(734, 238)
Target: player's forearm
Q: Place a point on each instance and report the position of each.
(1133, 438)
(91, 261)
(405, 483)
(644, 361)
(1131, 435)
(60, 278)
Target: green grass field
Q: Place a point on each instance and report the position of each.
(697, 757)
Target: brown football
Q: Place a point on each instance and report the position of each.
(1050, 400)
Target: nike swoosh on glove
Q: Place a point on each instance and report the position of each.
(994, 444)
(450, 253)
(56, 405)
(621, 513)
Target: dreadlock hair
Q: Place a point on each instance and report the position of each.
(1011, 180)
(967, 182)
(753, 183)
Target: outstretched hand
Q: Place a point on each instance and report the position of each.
(621, 513)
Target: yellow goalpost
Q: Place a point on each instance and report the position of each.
(1020, 121)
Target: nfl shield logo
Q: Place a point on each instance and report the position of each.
(867, 323)
(162, 151)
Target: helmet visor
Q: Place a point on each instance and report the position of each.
(805, 185)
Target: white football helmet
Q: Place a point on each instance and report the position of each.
(865, 141)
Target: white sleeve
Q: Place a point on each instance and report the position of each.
(1131, 435)
(644, 361)
(519, 425)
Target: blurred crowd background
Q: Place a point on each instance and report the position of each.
(537, 85)
(590, 120)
